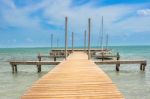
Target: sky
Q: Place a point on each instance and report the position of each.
(30, 23)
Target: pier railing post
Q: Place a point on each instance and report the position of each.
(66, 36)
(89, 30)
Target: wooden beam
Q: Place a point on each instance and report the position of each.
(72, 41)
(89, 36)
(85, 41)
(66, 37)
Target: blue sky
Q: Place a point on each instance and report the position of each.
(29, 23)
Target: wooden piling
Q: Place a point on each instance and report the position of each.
(89, 30)
(66, 36)
(85, 41)
(51, 41)
(117, 67)
(118, 56)
(55, 57)
(39, 57)
(72, 42)
(38, 68)
(102, 29)
(13, 70)
(141, 66)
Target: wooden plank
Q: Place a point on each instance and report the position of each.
(57, 56)
(121, 62)
(74, 78)
(34, 62)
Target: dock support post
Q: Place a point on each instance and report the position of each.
(85, 41)
(117, 67)
(118, 56)
(15, 67)
(66, 36)
(38, 68)
(39, 57)
(102, 56)
(72, 42)
(51, 41)
(13, 70)
(55, 57)
(142, 66)
(89, 30)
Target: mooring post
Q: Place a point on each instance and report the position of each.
(39, 57)
(89, 30)
(141, 66)
(118, 56)
(102, 56)
(66, 36)
(72, 42)
(15, 67)
(39, 68)
(13, 70)
(51, 41)
(117, 67)
(54, 56)
(85, 41)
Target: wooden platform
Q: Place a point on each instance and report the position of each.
(74, 78)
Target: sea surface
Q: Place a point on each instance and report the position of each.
(133, 83)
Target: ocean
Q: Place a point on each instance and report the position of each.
(133, 83)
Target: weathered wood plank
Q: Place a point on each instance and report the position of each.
(121, 62)
(35, 62)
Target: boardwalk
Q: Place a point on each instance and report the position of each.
(75, 78)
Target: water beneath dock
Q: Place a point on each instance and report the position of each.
(133, 83)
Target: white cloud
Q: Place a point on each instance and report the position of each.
(55, 11)
(143, 12)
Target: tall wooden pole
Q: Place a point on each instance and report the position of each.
(57, 43)
(85, 41)
(51, 41)
(102, 34)
(66, 36)
(72, 41)
(89, 30)
(106, 41)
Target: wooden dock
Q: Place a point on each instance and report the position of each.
(39, 63)
(74, 78)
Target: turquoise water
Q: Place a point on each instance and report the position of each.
(132, 82)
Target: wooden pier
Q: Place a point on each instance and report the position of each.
(74, 78)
